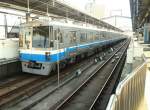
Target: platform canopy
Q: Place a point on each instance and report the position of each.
(140, 13)
(54, 7)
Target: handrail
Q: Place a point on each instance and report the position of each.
(130, 91)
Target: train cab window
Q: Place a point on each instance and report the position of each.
(40, 37)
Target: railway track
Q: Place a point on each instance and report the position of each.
(102, 99)
(8, 94)
(34, 85)
(27, 86)
(53, 90)
(100, 102)
(89, 91)
(13, 80)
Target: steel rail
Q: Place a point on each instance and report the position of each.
(100, 92)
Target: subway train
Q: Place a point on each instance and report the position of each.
(44, 43)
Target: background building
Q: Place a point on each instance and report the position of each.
(95, 9)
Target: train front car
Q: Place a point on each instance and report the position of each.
(35, 49)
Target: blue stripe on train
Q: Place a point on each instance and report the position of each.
(62, 55)
(41, 58)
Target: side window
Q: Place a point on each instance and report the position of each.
(55, 34)
(83, 37)
(86, 37)
(73, 36)
(94, 36)
(97, 35)
(103, 35)
(60, 38)
(59, 34)
(91, 36)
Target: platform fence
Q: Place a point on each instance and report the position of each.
(130, 91)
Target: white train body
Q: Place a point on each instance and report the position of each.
(42, 44)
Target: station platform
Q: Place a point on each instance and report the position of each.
(4, 61)
(144, 49)
(145, 103)
(9, 61)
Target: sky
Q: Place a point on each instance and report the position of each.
(110, 6)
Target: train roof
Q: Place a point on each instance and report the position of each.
(67, 26)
